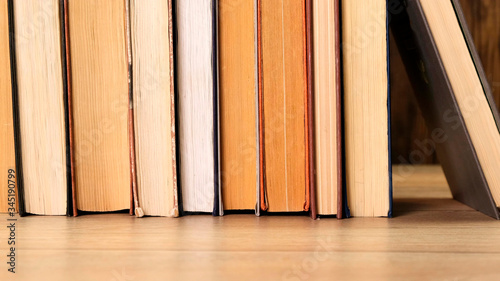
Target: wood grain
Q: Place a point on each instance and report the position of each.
(325, 104)
(7, 158)
(154, 106)
(41, 106)
(237, 94)
(419, 181)
(284, 103)
(432, 239)
(100, 104)
(365, 107)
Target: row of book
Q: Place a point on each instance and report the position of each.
(204, 106)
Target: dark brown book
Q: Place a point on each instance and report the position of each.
(454, 97)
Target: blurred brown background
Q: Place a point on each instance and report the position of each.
(408, 126)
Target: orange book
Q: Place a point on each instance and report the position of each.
(237, 97)
(283, 106)
(99, 104)
(7, 159)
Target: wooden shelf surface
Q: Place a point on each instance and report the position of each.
(430, 237)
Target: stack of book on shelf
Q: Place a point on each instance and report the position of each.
(165, 108)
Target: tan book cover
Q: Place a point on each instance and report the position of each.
(99, 104)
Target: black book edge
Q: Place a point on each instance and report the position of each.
(389, 213)
(310, 125)
(346, 213)
(171, 28)
(218, 209)
(15, 110)
(339, 127)
(69, 196)
(175, 32)
(405, 28)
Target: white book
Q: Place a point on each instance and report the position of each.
(197, 105)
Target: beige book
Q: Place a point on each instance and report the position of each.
(469, 92)
(154, 114)
(326, 105)
(41, 102)
(364, 33)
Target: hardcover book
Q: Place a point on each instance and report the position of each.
(98, 89)
(198, 113)
(238, 104)
(154, 107)
(283, 106)
(326, 83)
(454, 97)
(39, 96)
(366, 108)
